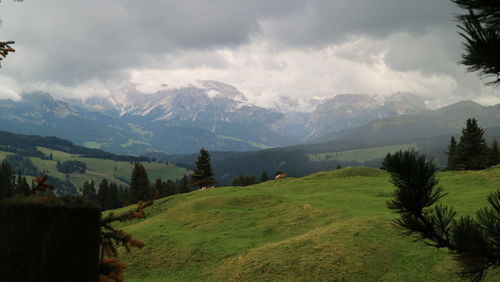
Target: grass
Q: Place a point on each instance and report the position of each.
(92, 145)
(361, 155)
(328, 226)
(99, 169)
(251, 143)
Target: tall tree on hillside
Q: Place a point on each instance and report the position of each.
(472, 151)
(480, 28)
(184, 185)
(113, 200)
(103, 194)
(474, 242)
(89, 192)
(7, 181)
(494, 155)
(264, 177)
(452, 154)
(203, 175)
(140, 189)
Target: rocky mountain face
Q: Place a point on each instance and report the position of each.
(347, 111)
(207, 114)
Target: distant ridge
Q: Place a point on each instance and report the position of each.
(50, 142)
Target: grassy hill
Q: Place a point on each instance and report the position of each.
(99, 169)
(328, 226)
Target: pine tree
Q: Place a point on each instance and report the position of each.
(264, 177)
(184, 185)
(474, 242)
(88, 192)
(7, 181)
(203, 175)
(103, 194)
(452, 154)
(113, 199)
(480, 29)
(494, 158)
(139, 185)
(472, 151)
(22, 187)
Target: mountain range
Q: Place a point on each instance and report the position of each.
(428, 131)
(208, 114)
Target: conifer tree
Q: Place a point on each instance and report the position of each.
(452, 154)
(184, 185)
(203, 175)
(474, 242)
(472, 151)
(264, 177)
(480, 29)
(88, 191)
(103, 194)
(113, 199)
(22, 187)
(494, 154)
(7, 181)
(139, 185)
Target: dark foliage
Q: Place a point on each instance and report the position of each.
(474, 242)
(452, 154)
(244, 180)
(480, 28)
(203, 175)
(140, 189)
(30, 142)
(494, 155)
(472, 150)
(264, 177)
(71, 167)
(22, 165)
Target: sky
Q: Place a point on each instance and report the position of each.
(266, 48)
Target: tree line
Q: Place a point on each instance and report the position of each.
(472, 152)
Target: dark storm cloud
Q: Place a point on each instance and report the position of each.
(71, 42)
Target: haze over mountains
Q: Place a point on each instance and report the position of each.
(208, 114)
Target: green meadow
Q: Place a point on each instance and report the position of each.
(328, 226)
(360, 155)
(99, 169)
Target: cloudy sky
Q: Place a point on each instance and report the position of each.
(266, 48)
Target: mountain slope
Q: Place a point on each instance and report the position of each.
(45, 152)
(447, 120)
(428, 131)
(326, 226)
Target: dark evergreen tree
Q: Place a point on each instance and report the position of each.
(494, 158)
(113, 199)
(452, 154)
(21, 187)
(7, 181)
(139, 185)
(103, 195)
(480, 29)
(243, 180)
(472, 151)
(474, 242)
(175, 188)
(264, 177)
(89, 192)
(203, 175)
(185, 185)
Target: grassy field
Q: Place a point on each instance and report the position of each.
(328, 226)
(361, 155)
(99, 169)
